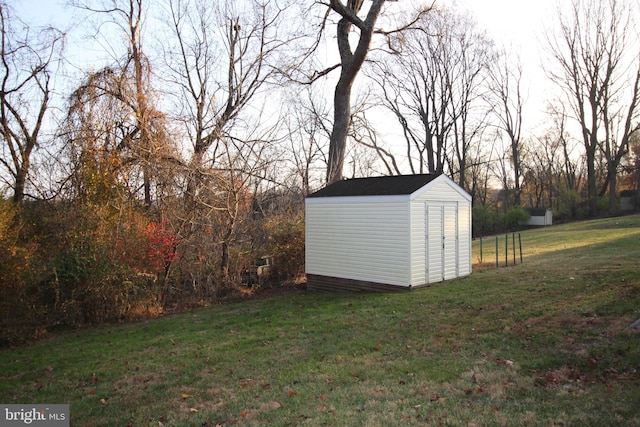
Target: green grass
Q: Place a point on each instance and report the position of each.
(542, 343)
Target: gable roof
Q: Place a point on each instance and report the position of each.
(376, 186)
(537, 211)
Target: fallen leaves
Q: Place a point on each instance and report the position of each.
(508, 363)
(436, 398)
(247, 382)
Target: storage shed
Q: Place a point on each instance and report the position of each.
(387, 233)
(540, 217)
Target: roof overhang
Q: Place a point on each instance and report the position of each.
(394, 198)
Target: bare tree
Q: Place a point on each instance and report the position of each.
(479, 172)
(555, 164)
(597, 58)
(541, 171)
(634, 164)
(25, 93)
(365, 134)
(433, 87)
(351, 61)
(620, 123)
(222, 58)
(352, 28)
(308, 128)
(506, 87)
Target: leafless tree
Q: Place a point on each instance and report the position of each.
(25, 93)
(222, 58)
(354, 33)
(308, 130)
(633, 169)
(433, 87)
(554, 166)
(507, 106)
(351, 61)
(540, 172)
(620, 122)
(480, 172)
(365, 134)
(221, 61)
(596, 52)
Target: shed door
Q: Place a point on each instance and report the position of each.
(441, 241)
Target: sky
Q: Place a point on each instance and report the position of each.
(519, 25)
(516, 24)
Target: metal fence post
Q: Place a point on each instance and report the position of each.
(506, 250)
(520, 242)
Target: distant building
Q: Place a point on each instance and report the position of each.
(540, 217)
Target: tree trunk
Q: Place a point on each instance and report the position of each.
(19, 185)
(592, 198)
(613, 203)
(341, 124)
(351, 61)
(516, 171)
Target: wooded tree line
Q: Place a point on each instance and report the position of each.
(156, 177)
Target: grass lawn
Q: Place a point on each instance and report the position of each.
(542, 343)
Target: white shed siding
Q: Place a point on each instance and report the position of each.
(435, 252)
(464, 239)
(363, 241)
(418, 244)
(541, 220)
(450, 229)
(439, 190)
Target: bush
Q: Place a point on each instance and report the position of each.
(487, 220)
(516, 216)
(112, 266)
(286, 244)
(21, 310)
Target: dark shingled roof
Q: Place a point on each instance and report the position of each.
(376, 186)
(536, 211)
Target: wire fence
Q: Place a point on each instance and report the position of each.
(511, 251)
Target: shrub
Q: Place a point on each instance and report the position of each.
(21, 311)
(286, 244)
(516, 216)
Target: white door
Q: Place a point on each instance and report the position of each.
(441, 241)
(450, 241)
